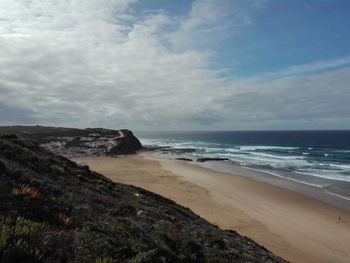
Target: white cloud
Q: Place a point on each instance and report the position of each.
(311, 67)
(210, 22)
(94, 63)
(311, 100)
(78, 62)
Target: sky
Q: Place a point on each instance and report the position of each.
(176, 65)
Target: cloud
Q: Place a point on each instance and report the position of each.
(210, 22)
(80, 64)
(97, 63)
(307, 99)
(9, 114)
(312, 67)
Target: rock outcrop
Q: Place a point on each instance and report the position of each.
(206, 159)
(54, 210)
(184, 159)
(127, 144)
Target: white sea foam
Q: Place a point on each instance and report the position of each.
(327, 175)
(301, 182)
(289, 157)
(266, 160)
(258, 147)
(342, 166)
(233, 150)
(284, 177)
(283, 158)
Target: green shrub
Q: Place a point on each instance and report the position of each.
(15, 244)
(11, 229)
(24, 247)
(27, 227)
(104, 260)
(5, 231)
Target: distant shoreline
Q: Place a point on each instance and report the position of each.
(291, 225)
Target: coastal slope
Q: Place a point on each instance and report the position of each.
(54, 210)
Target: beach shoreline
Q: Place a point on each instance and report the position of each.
(309, 190)
(291, 225)
(332, 192)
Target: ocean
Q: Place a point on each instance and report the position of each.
(317, 158)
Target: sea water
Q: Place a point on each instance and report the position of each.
(319, 158)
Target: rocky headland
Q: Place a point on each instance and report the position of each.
(79, 142)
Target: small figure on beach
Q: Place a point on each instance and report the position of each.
(338, 220)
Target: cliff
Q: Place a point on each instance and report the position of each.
(75, 142)
(127, 144)
(53, 210)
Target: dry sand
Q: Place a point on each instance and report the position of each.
(291, 225)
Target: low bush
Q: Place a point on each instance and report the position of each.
(16, 237)
(104, 260)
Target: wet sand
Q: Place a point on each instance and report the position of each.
(291, 225)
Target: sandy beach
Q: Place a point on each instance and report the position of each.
(291, 225)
